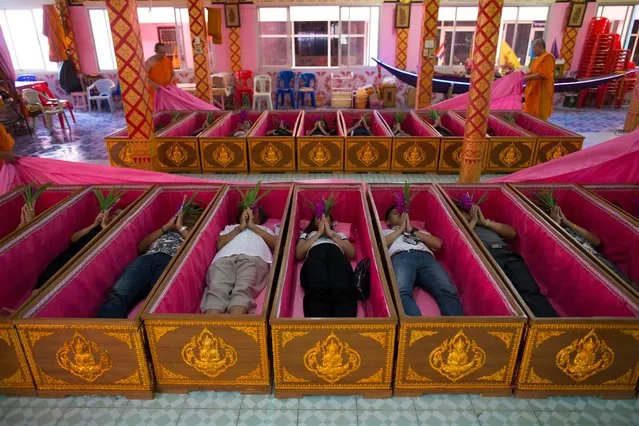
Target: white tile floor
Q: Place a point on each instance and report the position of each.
(227, 408)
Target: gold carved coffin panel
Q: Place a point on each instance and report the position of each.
(14, 372)
(510, 155)
(450, 156)
(367, 154)
(223, 156)
(556, 149)
(270, 154)
(175, 154)
(124, 153)
(409, 154)
(320, 154)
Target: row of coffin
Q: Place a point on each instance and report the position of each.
(203, 142)
(53, 345)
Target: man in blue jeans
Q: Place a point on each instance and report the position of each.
(411, 252)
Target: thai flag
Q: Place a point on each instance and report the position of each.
(441, 51)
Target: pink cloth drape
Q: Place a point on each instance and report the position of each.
(6, 66)
(506, 95)
(172, 98)
(615, 161)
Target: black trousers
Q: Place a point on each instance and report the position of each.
(327, 280)
(518, 273)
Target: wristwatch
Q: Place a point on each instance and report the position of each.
(414, 230)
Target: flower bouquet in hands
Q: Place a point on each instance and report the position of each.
(110, 200)
(403, 199)
(545, 199)
(397, 127)
(251, 197)
(324, 206)
(190, 208)
(243, 126)
(466, 201)
(32, 193)
(436, 117)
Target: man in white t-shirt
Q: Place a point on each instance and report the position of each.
(411, 253)
(239, 270)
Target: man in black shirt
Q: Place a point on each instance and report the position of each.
(494, 235)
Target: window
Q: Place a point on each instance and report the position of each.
(457, 30)
(160, 24)
(619, 17)
(318, 36)
(520, 26)
(28, 47)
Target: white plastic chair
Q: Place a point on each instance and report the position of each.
(262, 87)
(104, 88)
(32, 99)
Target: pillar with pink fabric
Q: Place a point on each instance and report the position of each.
(331, 345)
(583, 325)
(72, 352)
(182, 337)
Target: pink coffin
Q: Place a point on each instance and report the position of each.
(623, 197)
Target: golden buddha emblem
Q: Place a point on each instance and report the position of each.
(585, 357)
(271, 155)
(209, 354)
(510, 155)
(332, 359)
(457, 357)
(176, 154)
(319, 154)
(557, 152)
(457, 155)
(223, 155)
(367, 154)
(83, 358)
(126, 155)
(414, 155)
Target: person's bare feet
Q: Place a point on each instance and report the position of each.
(238, 310)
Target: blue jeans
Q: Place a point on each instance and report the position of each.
(135, 283)
(422, 269)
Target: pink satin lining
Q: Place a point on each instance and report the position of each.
(538, 127)
(574, 288)
(186, 286)
(620, 239)
(411, 124)
(272, 120)
(500, 128)
(226, 126)
(626, 198)
(188, 125)
(310, 118)
(479, 292)
(378, 128)
(348, 209)
(81, 293)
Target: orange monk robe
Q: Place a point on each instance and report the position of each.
(539, 93)
(6, 141)
(161, 73)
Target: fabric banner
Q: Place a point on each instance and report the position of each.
(52, 29)
(171, 98)
(7, 71)
(506, 95)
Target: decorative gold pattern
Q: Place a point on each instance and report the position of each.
(319, 154)
(209, 354)
(332, 359)
(633, 333)
(126, 155)
(498, 376)
(416, 335)
(557, 152)
(166, 373)
(132, 379)
(534, 378)
(624, 379)
(49, 380)
(84, 358)
(161, 331)
(16, 378)
(507, 338)
(252, 332)
(123, 337)
(542, 336)
(457, 357)
(288, 377)
(457, 155)
(255, 375)
(510, 155)
(585, 357)
(414, 155)
(375, 378)
(223, 156)
(287, 336)
(176, 154)
(412, 375)
(367, 154)
(271, 155)
(379, 337)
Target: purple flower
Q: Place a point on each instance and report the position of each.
(320, 208)
(401, 204)
(244, 115)
(466, 201)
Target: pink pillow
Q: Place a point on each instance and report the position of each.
(271, 224)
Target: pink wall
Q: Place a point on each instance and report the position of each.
(414, 37)
(84, 39)
(591, 11)
(221, 60)
(387, 34)
(248, 36)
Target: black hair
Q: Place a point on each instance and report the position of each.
(389, 211)
(261, 212)
(311, 227)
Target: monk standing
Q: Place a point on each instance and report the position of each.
(160, 68)
(540, 82)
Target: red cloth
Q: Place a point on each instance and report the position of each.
(615, 161)
(172, 98)
(506, 95)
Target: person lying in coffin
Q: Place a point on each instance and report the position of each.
(156, 249)
(589, 241)
(239, 270)
(494, 236)
(414, 264)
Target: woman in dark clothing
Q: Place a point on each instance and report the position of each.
(327, 274)
(78, 241)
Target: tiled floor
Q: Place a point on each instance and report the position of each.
(225, 408)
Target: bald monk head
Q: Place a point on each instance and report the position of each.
(160, 50)
(539, 47)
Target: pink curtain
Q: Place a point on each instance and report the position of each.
(506, 95)
(6, 67)
(615, 161)
(172, 98)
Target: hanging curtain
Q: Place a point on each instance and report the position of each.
(7, 71)
(215, 24)
(52, 29)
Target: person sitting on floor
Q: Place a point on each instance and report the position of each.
(140, 276)
(494, 235)
(78, 241)
(240, 268)
(587, 240)
(327, 274)
(411, 253)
